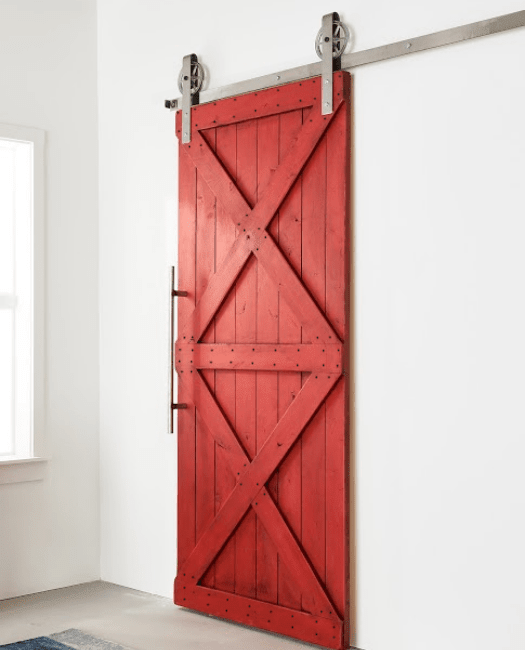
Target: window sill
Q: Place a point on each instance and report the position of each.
(22, 470)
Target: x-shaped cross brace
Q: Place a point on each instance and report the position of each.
(250, 489)
(252, 236)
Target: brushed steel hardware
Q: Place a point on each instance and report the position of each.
(191, 78)
(174, 293)
(374, 55)
(328, 63)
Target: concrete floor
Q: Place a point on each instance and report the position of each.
(134, 619)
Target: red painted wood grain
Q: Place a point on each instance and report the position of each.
(205, 268)
(290, 479)
(264, 254)
(225, 232)
(186, 459)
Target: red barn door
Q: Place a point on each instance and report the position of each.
(261, 354)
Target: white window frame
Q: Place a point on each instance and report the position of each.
(31, 465)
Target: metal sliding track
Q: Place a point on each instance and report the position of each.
(374, 55)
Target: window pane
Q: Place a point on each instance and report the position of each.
(7, 205)
(6, 382)
(16, 302)
(23, 290)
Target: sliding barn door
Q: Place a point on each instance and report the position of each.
(261, 355)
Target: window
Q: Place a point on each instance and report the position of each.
(21, 294)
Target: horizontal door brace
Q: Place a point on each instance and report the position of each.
(374, 55)
(279, 357)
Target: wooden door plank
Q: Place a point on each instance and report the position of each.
(267, 332)
(186, 417)
(205, 449)
(314, 277)
(337, 434)
(304, 335)
(226, 149)
(246, 332)
(289, 238)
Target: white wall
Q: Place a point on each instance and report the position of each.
(439, 158)
(49, 530)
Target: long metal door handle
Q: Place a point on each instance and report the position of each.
(172, 334)
(174, 293)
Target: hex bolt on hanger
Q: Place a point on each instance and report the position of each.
(344, 61)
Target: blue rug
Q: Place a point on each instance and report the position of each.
(41, 643)
(68, 640)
